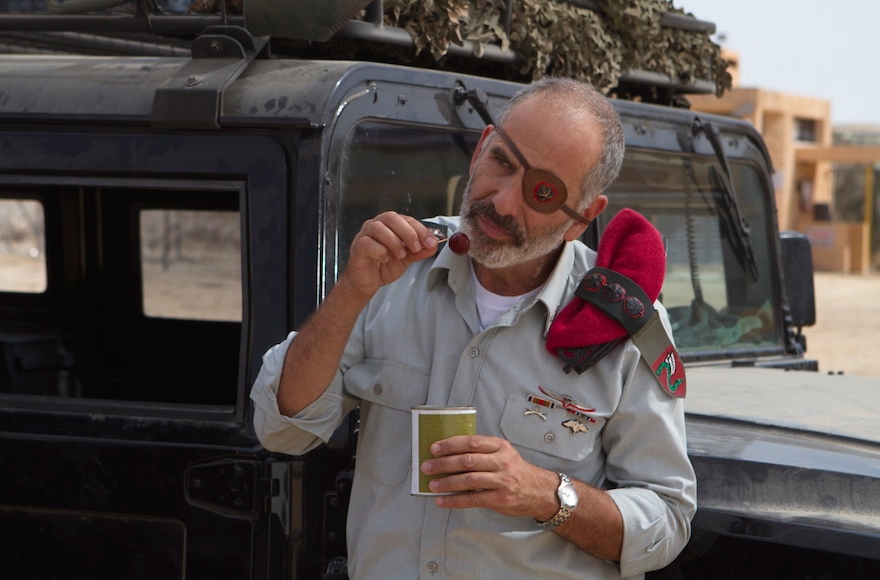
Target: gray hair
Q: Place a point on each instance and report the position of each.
(578, 98)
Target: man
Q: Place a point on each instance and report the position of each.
(406, 325)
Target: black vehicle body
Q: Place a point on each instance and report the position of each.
(126, 440)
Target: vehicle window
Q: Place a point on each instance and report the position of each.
(191, 264)
(714, 300)
(418, 171)
(141, 301)
(22, 246)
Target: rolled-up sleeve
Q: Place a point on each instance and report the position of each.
(307, 429)
(654, 482)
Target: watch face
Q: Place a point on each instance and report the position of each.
(568, 496)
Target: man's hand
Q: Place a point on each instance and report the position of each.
(380, 254)
(505, 481)
(490, 473)
(382, 251)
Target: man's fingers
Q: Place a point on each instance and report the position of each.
(423, 239)
(383, 249)
(395, 236)
(468, 456)
(458, 464)
(454, 482)
(466, 444)
(410, 233)
(379, 240)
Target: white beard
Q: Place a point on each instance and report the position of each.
(497, 255)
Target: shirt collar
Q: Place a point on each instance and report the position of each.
(455, 270)
(451, 267)
(558, 284)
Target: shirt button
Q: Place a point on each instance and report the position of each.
(474, 352)
(432, 567)
(377, 389)
(549, 438)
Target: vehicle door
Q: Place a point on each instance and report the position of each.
(129, 336)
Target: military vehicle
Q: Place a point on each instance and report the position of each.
(178, 191)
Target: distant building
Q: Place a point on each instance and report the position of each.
(864, 135)
(809, 156)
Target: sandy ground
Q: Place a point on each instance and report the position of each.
(847, 326)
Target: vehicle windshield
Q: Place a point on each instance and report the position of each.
(714, 301)
(717, 306)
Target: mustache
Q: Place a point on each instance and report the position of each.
(486, 210)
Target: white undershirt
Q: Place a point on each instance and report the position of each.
(490, 305)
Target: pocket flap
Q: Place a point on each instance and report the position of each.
(388, 383)
(546, 432)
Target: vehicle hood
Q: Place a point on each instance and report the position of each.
(838, 405)
(787, 457)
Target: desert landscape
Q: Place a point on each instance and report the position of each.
(846, 326)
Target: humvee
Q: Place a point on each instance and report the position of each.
(166, 218)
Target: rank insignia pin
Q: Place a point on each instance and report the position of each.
(575, 426)
(536, 411)
(541, 401)
(569, 404)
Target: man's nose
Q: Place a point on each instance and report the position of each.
(508, 199)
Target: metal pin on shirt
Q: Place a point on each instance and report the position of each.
(541, 401)
(569, 404)
(535, 411)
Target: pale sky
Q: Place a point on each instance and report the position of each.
(825, 49)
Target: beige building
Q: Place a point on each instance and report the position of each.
(798, 134)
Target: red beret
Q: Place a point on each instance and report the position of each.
(630, 246)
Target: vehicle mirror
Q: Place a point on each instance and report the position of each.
(797, 275)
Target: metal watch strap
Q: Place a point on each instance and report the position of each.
(564, 511)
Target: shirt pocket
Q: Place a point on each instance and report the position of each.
(553, 432)
(388, 391)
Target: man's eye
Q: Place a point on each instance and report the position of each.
(502, 162)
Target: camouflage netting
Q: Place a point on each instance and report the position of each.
(549, 37)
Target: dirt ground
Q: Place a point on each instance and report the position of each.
(846, 329)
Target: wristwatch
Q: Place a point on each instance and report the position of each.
(568, 500)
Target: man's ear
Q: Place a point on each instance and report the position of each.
(591, 212)
(598, 206)
(478, 150)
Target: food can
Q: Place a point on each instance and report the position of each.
(429, 425)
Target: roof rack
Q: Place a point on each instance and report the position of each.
(318, 26)
(372, 28)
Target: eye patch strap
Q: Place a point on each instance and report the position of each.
(510, 144)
